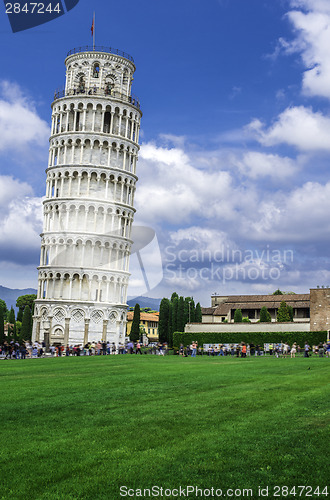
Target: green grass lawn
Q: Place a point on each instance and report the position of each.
(79, 428)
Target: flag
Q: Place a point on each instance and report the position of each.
(92, 27)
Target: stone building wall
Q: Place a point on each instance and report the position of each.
(247, 327)
(320, 309)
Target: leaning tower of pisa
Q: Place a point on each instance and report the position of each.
(88, 208)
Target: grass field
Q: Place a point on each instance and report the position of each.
(79, 428)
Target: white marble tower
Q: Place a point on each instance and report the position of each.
(88, 209)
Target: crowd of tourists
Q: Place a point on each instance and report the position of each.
(243, 350)
(23, 350)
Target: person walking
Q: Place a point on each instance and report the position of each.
(306, 350)
(138, 348)
(328, 350)
(285, 349)
(321, 350)
(194, 349)
(17, 350)
(104, 348)
(7, 350)
(23, 350)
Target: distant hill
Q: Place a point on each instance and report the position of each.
(9, 295)
(145, 302)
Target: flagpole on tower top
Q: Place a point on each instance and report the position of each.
(93, 30)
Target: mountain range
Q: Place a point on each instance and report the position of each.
(9, 295)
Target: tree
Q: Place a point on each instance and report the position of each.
(192, 310)
(283, 314)
(11, 324)
(15, 337)
(18, 326)
(198, 313)
(189, 310)
(26, 329)
(164, 321)
(265, 316)
(238, 316)
(22, 302)
(11, 316)
(135, 330)
(180, 315)
(2, 325)
(142, 333)
(278, 292)
(174, 319)
(186, 310)
(290, 311)
(4, 306)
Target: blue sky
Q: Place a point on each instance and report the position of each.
(235, 141)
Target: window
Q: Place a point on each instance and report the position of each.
(96, 70)
(107, 121)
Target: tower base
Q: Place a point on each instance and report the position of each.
(65, 323)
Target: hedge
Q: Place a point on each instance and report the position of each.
(257, 338)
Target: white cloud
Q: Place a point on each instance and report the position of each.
(201, 237)
(297, 126)
(21, 220)
(314, 5)
(312, 41)
(214, 208)
(10, 189)
(199, 245)
(20, 125)
(300, 216)
(257, 165)
(174, 190)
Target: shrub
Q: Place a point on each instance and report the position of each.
(265, 316)
(238, 316)
(260, 338)
(283, 314)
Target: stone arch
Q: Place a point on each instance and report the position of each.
(57, 335)
(44, 312)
